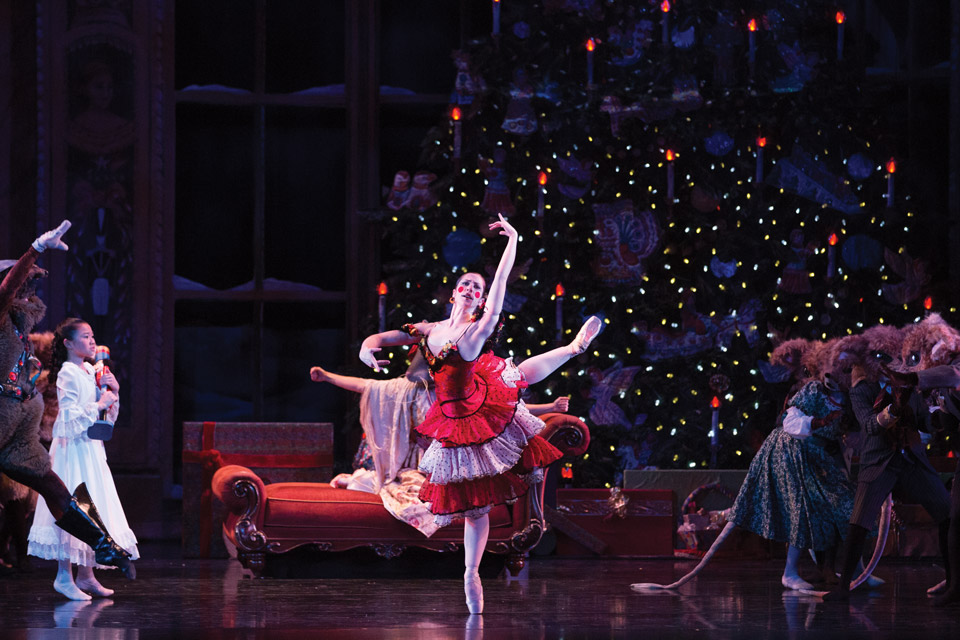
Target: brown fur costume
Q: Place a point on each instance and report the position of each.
(929, 343)
(789, 354)
(20, 309)
(18, 502)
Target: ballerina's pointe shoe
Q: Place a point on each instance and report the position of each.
(473, 589)
(589, 331)
(795, 583)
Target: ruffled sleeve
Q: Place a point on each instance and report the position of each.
(78, 408)
(412, 330)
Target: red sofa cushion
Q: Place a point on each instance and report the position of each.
(319, 507)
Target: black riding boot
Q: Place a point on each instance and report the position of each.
(82, 521)
(852, 550)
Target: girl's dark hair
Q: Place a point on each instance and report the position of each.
(66, 330)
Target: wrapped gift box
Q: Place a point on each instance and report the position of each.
(276, 451)
(644, 526)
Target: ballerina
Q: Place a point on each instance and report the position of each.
(486, 447)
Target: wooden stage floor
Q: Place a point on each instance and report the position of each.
(559, 598)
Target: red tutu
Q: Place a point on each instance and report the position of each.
(485, 439)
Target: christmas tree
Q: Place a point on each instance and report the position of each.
(710, 181)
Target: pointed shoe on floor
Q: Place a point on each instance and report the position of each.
(473, 589)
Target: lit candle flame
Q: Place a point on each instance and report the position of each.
(455, 114)
(560, 290)
(841, 17)
(542, 178)
(591, 44)
(715, 403)
(761, 141)
(891, 166)
(665, 6)
(670, 155)
(832, 240)
(752, 25)
(928, 303)
(382, 289)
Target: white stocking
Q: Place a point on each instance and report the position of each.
(64, 582)
(541, 365)
(475, 532)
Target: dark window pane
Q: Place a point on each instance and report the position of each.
(296, 337)
(213, 361)
(305, 197)
(416, 41)
(214, 216)
(305, 43)
(403, 131)
(215, 43)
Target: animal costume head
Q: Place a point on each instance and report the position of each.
(789, 355)
(929, 343)
(833, 361)
(884, 344)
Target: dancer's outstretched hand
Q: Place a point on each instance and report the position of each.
(51, 239)
(368, 357)
(561, 404)
(506, 229)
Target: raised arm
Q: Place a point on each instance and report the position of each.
(473, 340)
(372, 344)
(21, 270)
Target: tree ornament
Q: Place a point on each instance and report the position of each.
(796, 276)
(859, 166)
(496, 197)
(861, 252)
(461, 248)
(400, 191)
(467, 84)
(625, 239)
(521, 119)
(421, 197)
(719, 143)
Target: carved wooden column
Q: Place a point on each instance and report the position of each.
(101, 144)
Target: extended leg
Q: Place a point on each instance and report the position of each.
(475, 532)
(350, 383)
(540, 366)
